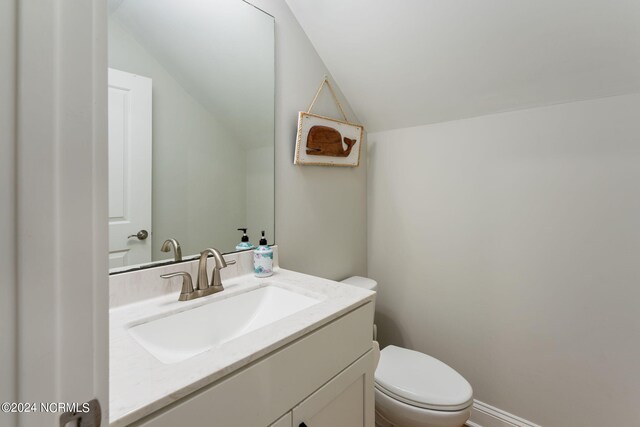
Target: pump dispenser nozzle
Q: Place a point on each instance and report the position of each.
(245, 238)
(244, 242)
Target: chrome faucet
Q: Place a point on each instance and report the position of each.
(177, 251)
(203, 288)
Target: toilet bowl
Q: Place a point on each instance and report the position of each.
(413, 389)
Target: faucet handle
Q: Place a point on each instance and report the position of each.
(187, 284)
(216, 280)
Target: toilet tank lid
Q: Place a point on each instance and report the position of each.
(361, 282)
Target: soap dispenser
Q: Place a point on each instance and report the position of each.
(263, 259)
(245, 243)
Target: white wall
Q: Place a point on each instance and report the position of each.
(7, 207)
(320, 211)
(260, 192)
(198, 164)
(508, 246)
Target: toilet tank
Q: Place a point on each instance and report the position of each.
(362, 282)
(366, 283)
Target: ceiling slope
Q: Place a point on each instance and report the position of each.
(211, 48)
(413, 62)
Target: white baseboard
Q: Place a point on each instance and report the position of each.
(483, 415)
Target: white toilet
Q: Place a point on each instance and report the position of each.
(414, 389)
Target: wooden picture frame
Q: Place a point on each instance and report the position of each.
(327, 142)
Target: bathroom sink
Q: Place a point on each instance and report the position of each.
(182, 335)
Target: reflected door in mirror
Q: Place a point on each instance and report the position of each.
(129, 169)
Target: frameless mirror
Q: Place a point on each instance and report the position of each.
(191, 127)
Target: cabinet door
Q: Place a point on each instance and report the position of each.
(345, 401)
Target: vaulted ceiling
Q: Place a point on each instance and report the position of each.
(412, 62)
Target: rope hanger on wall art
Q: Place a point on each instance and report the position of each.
(325, 81)
(324, 141)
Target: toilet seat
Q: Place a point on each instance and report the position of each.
(422, 381)
(391, 412)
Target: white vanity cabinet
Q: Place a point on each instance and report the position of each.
(322, 379)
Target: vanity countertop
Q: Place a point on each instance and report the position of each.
(140, 384)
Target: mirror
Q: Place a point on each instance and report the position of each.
(191, 127)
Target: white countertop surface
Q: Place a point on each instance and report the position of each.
(140, 384)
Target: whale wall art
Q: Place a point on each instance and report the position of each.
(327, 142)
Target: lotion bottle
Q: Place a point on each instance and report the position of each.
(263, 259)
(245, 243)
